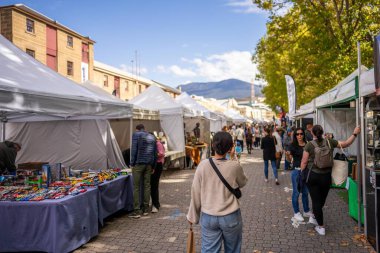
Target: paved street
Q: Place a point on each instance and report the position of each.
(266, 210)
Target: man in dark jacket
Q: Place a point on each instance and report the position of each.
(144, 152)
(8, 153)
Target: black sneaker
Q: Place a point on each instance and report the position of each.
(134, 215)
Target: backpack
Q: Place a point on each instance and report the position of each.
(323, 158)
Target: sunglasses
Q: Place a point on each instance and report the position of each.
(299, 134)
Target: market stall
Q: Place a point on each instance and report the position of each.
(51, 225)
(56, 121)
(305, 114)
(38, 106)
(195, 113)
(336, 109)
(371, 158)
(235, 116)
(171, 118)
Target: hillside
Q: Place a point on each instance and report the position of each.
(231, 88)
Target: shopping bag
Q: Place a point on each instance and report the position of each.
(190, 248)
(339, 172)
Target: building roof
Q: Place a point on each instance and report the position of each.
(165, 87)
(36, 15)
(122, 73)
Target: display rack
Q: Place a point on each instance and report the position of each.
(372, 171)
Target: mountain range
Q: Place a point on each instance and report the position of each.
(230, 88)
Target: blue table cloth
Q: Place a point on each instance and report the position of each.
(114, 196)
(51, 225)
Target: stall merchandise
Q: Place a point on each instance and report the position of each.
(53, 225)
(196, 153)
(65, 218)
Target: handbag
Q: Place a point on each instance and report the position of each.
(339, 172)
(236, 192)
(190, 246)
(278, 155)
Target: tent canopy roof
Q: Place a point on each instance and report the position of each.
(31, 91)
(154, 98)
(346, 90)
(194, 107)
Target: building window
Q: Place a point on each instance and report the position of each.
(70, 68)
(30, 25)
(70, 42)
(31, 53)
(105, 81)
(140, 88)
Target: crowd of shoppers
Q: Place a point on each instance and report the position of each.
(214, 199)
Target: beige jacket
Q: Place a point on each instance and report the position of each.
(209, 194)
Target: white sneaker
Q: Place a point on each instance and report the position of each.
(313, 221)
(298, 217)
(154, 209)
(308, 214)
(266, 180)
(320, 230)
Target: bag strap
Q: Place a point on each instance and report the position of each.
(221, 177)
(275, 141)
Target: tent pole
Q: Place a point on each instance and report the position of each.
(362, 172)
(130, 139)
(360, 153)
(3, 120)
(2, 131)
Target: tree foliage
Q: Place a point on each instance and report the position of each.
(314, 41)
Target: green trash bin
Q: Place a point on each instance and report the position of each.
(353, 200)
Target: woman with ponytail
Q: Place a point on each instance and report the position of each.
(316, 164)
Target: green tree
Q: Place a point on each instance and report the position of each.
(314, 41)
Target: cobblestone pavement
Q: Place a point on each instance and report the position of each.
(266, 210)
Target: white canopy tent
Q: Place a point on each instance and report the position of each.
(36, 100)
(235, 116)
(345, 91)
(305, 114)
(367, 83)
(334, 112)
(123, 127)
(171, 115)
(191, 104)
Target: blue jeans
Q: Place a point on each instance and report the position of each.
(287, 165)
(305, 193)
(274, 168)
(215, 229)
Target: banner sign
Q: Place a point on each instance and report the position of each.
(291, 89)
(376, 53)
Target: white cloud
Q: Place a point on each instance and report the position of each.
(244, 6)
(182, 72)
(217, 67)
(128, 68)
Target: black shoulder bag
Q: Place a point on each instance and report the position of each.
(236, 192)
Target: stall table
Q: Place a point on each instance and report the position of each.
(196, 153)
(114, 196)
(60, 225)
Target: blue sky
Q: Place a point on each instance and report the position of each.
(176, 41)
